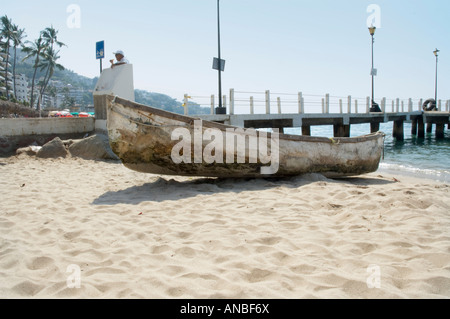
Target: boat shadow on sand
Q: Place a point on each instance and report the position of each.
(170, 189)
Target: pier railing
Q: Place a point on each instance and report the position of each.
(267, 102)
(283, 110)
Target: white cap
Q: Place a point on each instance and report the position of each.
(119, 52)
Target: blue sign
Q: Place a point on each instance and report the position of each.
(100, 50)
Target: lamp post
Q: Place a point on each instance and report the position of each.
(220, 66)
(436, 80)
(374, 107)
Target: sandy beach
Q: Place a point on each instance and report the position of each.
(72, 228)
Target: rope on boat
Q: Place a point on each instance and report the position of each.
(333, 141)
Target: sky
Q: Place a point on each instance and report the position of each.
(288, 46)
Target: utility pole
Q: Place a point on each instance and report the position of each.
(436, 80)
(220, 64)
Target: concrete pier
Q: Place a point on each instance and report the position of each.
(341, 122)
(349, 112)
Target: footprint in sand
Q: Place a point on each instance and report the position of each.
(40, 263)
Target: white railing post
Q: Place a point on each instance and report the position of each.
(267, 102)
(212, 104)
(301, 110)
(224, 99)
(252, 105)
(398, 105)
(420, 104)
(410, 105)
(327, 103)
(440, 105)
(356, 106)
(383, 105)
(368, 105)
(340, 106)
(279, 105)
(403, 106)
(231, 101)
(349, 105)
(323, 106)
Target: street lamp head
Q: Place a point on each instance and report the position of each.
(436, 52)
(372, 30)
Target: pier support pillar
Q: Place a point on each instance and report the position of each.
(346, 130)
(398, 130)
(414, 127)
(420, 128)
(440, 130)
(374, 127)
(429, 127)
(339, 130)
(306, 130)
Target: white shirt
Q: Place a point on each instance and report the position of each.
(124, 61)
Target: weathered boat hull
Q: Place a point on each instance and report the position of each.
(146, 140)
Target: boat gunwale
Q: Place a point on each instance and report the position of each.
(210, 124)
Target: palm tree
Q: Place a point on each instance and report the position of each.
(7, 33)
(35, 50)
(50, 37)
(50, 57)
(18, 36)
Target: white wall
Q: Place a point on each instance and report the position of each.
(117, 81)
(45, 126)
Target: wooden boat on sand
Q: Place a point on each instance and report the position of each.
(155, 141)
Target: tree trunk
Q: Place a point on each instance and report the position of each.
(32, 86)
(6, 68)
(41, 93)
(14, 71)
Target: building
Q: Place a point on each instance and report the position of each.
(2, 70)
(21, 88)
(64, 93)
(21, 82)
(3, 58)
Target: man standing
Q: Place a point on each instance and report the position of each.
(120, 58)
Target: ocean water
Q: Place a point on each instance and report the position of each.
(419, 157)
